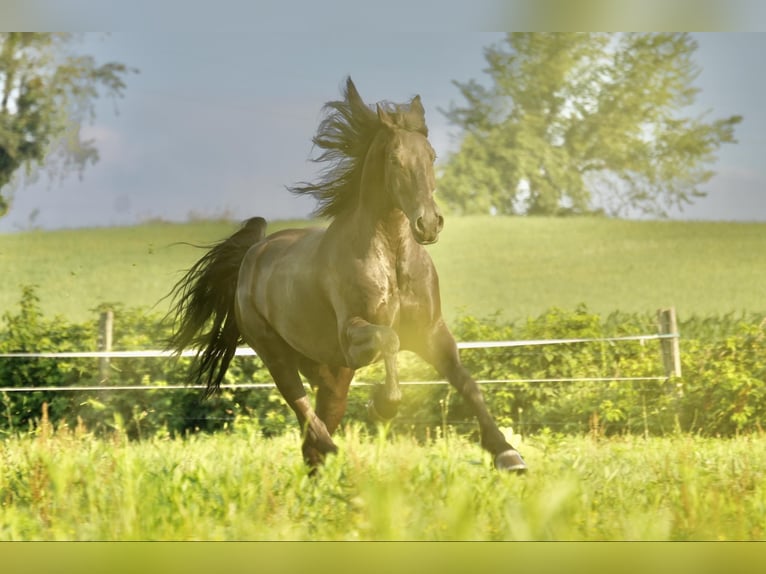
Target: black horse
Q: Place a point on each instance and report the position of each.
(325, 302)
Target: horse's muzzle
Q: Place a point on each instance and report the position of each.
(426, 228)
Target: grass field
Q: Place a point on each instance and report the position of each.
(517, 266)
(68, 485)
(71, 485)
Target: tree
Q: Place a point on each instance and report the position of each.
(46, 92)
(574, 122)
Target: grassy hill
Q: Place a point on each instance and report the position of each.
(517, 266)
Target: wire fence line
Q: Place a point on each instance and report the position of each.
(244, 386)
(246, 351)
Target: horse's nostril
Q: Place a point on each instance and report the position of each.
(440, 223)
(419, 225)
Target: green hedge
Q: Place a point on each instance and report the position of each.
(722, 390)
(138, 412)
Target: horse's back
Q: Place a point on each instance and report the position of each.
(280, 281)
(279, 262)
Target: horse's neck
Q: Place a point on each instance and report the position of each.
(377, 232)
(373, 227)
(394, 228)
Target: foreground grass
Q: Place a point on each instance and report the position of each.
(240, 486)
(518, 266)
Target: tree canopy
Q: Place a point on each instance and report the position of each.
(577, 122)
(46, 92)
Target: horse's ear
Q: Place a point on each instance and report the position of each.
(352, 94)
(417, 106)
(384, 117)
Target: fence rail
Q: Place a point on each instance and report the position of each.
(248, 352)
(353, 384)
(664, 338)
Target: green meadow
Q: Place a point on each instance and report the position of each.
(73, 484)
(518, 267)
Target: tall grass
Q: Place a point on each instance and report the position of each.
(69, 485)
(518, 266)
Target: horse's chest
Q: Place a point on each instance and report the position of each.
(383, 293)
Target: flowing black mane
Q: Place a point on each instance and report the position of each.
(344, 136)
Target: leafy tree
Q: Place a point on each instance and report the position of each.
(46, 92)
(577, 121)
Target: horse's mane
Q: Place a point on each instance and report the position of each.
(344, 136)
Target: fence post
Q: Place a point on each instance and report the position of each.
(106, 324)
(671, 348)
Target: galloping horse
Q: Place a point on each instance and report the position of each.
(325, 302)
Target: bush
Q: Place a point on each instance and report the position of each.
(553, 400)
(722, 390)
(724, 381)
(140, 412)
(29, 332)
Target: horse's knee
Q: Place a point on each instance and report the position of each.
(387, 341)
(366, 343)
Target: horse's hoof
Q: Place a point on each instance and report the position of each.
(510, 460)
(375, 416)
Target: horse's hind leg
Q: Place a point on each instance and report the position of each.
(282, 362)
(332, 386)
(332, 395)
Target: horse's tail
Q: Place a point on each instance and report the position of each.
(206, 295)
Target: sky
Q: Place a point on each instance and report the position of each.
(217, 124)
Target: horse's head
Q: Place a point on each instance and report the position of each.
(408, 170)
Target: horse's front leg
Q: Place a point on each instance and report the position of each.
(364, 343)
(440, 350)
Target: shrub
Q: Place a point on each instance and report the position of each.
(722, 390)
(28, 331)
(139, 412)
